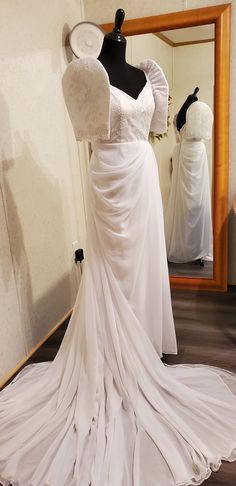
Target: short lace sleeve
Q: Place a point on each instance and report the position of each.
(160, 91)
(199, 120)
(86, 91)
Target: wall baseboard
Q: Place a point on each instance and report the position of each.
(10, 375)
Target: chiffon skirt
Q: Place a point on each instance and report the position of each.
(107, 411)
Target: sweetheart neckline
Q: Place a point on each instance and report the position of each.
(129, 96)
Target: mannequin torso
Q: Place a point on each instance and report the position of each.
(122, 75)
(181, 116)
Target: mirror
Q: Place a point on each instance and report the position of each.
(185, 166)
(193, 49)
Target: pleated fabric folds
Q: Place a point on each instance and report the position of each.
(106, 411)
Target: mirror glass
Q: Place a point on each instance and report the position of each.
(185, 166)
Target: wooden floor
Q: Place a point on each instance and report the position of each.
(191, 269)
(206, 332)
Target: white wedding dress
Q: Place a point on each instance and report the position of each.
(188, 222)
(107, 411)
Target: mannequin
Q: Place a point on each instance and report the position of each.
(122, 75)
(181, 116)
(180, 122)
(188, 222)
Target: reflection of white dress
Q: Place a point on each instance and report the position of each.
(188, 225)
(106, 411)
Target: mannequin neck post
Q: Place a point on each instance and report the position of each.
(112, 52)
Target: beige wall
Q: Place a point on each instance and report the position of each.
(193, 65)
(41, 199)
(10, 330)
(101, 11)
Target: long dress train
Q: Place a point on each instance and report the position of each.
(107, 411)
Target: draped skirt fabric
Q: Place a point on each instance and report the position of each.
(188, 224)
(107, 411)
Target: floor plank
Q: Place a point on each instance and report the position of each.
(191, 269)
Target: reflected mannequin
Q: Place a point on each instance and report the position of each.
(188, 224)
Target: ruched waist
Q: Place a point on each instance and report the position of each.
(120, 154)
(107, 143)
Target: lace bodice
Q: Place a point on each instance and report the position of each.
(130, 118)
(101, 112)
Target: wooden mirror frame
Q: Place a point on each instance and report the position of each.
(220, 16)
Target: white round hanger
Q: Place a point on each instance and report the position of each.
(86, 39)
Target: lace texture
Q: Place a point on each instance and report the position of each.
(99, 111)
